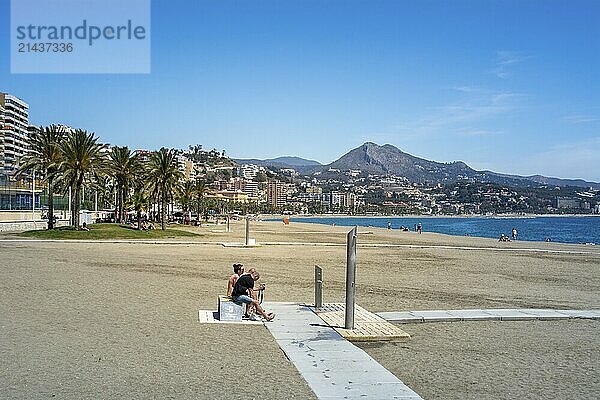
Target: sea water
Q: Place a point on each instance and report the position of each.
(555, 229)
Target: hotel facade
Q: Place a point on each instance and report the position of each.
(14, 125)
(15, 194)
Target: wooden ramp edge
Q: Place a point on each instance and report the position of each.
(368, 327)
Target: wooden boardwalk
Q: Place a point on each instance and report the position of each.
(368, 327)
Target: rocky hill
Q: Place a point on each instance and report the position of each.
(389, 160)
(374, 159)
(371, 158)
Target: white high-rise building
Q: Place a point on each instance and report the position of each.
(14, 124)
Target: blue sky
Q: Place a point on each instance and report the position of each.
(510, 86)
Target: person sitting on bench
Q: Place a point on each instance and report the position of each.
(258, 293)
(238, 270)
(242, 293)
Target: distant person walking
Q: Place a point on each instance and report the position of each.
(389, 225)
(514, 233)
(419, 228)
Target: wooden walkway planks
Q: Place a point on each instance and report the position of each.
(368, 327)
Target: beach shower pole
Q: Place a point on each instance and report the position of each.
(247, 230)
(350, 278)
(318, 287)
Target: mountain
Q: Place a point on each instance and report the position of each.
(297, 163)
(371, 158)
(563, 182)
(537, 180)
(385, 160)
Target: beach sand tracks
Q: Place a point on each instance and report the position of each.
(562, 258)
(161, 268)
(549, 280)
(406, 257)
(494, 359)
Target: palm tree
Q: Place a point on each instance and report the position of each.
(210, 204)
(45, 157)
(81, 156)
(139, 202)
(165, 178)
(186, 198)
(123, 167)
(103, 185)
(199, 190)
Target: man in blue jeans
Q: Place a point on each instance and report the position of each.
(242, 293)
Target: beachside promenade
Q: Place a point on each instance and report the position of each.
(106, 320)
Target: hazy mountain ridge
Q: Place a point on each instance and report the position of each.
(563, 182)
(282, 162)
(371, 158)
(388, 159)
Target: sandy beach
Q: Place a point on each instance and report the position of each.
(106, 320)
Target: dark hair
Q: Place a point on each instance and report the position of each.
(237, 268)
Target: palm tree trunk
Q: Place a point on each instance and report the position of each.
(50, 204)
(122, 205)
(157, 213)
(117, 215)
(77, 200)
(139, 220)
(198, 211)
(121, 213)
(72, 216)
(162, 212)
(75, 208)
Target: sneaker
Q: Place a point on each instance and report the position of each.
(253, 317)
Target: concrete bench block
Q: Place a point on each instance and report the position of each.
(228, 310)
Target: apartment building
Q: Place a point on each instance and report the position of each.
(343, 199)
(276, 193)
(14, 125)
(187, 168)
(249, 171)
(246, 186)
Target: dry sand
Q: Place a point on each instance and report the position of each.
(106, 320)
(497, 360)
